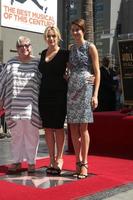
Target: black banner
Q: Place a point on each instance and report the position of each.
(126, 68)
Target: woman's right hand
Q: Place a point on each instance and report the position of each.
(91, 79)
(67, 72)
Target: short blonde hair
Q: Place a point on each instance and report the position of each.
(21, 39)
(56, 31)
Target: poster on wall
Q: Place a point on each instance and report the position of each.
(126, 69)
(30, 15)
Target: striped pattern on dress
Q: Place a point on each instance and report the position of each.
(19, 91)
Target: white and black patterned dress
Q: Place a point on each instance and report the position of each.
(19, 89)
(79, 88)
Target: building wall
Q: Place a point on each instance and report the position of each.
(106, 17)
(127, 16)
(71, 10)
(102, 26)
(61, 20)
(114, 23)
(107, 14)
(8, 37)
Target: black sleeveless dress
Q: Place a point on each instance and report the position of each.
(53, 90)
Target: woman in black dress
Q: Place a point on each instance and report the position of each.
(53, 96)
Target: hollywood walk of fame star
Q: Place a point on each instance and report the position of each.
(39, 179)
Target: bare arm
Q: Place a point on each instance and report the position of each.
(95, 63)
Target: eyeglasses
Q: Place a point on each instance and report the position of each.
(24, 45)
(49, 36)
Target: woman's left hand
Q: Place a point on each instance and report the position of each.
(94, 102)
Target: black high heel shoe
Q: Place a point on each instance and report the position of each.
(82, 175)
(57, 167)
(50, 169)
(78, 168)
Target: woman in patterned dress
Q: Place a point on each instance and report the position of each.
(82, 95)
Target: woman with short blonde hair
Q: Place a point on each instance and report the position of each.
(54, 29)
(53, 97)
